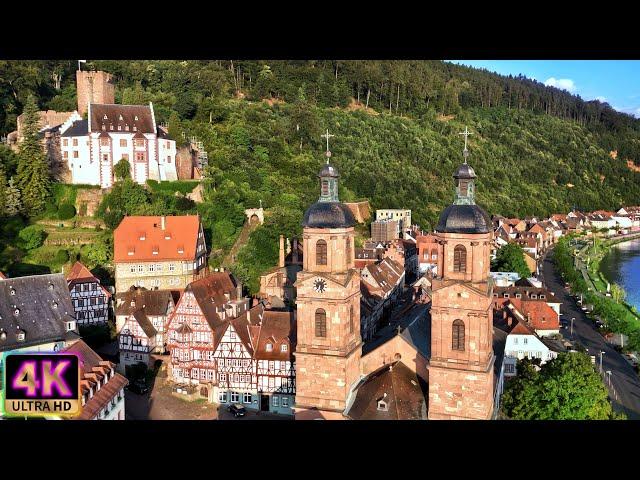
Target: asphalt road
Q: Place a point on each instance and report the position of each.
(624, 380)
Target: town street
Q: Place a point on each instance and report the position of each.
(624, 380)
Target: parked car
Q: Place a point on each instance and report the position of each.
(237, 410)
(138, 386)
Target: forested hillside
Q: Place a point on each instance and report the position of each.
(536, 149)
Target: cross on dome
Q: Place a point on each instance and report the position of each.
(328, 136)
(466, 134)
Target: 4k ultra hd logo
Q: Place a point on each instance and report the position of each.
(37, 385)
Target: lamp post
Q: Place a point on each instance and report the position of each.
(608, 372)
(601, 354)
(572, 319)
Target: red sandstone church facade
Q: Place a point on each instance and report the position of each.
(330, 363)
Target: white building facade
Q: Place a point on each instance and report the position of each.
(91, 148)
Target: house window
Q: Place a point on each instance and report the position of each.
(247, 398)
(285, 401)
(460, 259)
(457, 335)
(321, 323)
(222, 397)
(284, 347)
(104, 142)
(223, 377)
(139, 157)
(269, 347)
(65, 154)
(276, 401)
(75, 154)
(509, 368)
(75, 142)
(105, 157)
(235, 396)
(138, 142)
(168, 159)
(123, 141)
(348, 247)
(321, 252)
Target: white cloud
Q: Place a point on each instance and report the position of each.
(601, 99)
(561, 83)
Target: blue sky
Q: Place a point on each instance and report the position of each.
(616, 82)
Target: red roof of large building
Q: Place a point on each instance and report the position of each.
(2, 276)
(152, 238)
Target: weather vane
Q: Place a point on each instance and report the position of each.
(327, 136)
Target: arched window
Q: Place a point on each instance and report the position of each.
(321, 323)
(460, 259)
(348, 248)
(321, 252)
(351, 326)
(457, 335)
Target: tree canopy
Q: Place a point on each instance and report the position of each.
(510, 258)
(566, 388)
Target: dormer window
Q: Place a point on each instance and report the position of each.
(16, 312)
(50, 286)
(135, 129)
(143, 236)
(533, 295)
(284, 347)
(54, 304)
(120, 118)
(383, 406)
(119, 127)
(155, 250)
(3, 335)
(268, 347)
(12, 291)
(135, 118)
(181, 249)
(126, 127)
(105, 117)
(131, 251)
(111, 126)
(20, 336)
(167, 236)
(518, 295)
(104, 127)
(543, 297)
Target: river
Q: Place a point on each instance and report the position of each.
(622, 265)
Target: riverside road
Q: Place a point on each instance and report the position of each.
(624, 380)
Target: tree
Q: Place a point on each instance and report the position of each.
(13, 199)
(566, 388)
(122, 169)
(618, 293)
(510, 258)
(66, 211)
(33, 170)
(32, 236)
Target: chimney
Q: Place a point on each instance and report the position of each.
(239, 290)
(162, 222)
(281, 262)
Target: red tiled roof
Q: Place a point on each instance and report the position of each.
(93, 369)
(180, 234)
(79, 272)
(2, 276)
(539, 315)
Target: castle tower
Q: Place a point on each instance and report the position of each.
(93, 87)
(461, 377)
(328, 305)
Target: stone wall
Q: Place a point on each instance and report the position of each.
(87, 201)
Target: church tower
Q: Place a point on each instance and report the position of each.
(328, 305)
(461, 376)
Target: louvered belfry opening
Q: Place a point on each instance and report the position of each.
(321, 252)
(460, 259)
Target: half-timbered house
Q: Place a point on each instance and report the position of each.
(141, 319)
(230, 352)
(90, 299)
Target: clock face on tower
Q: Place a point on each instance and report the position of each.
(319, 285)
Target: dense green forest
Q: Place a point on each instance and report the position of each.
(536, 149)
